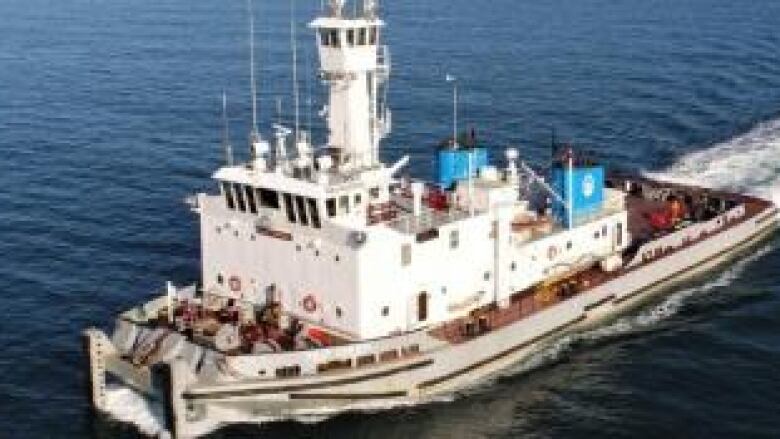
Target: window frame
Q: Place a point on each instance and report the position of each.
(227, 190)
(268, 198)
(331, 208)
(314, 212)
(300, 210)
(289, 207)
(239, 195)
(249, 191)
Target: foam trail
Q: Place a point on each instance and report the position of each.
(126, 405)
(672, 304)
(646, 319)
(747, 163)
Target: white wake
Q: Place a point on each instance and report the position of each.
(748, 163)
(128, 406)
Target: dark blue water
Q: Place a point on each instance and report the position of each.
(109, 117)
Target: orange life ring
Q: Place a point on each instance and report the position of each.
(234, 283)
(309, 304)
(552, 252)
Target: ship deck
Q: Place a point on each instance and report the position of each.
(524, 304)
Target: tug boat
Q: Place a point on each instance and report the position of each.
(329, 283)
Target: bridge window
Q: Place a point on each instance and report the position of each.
(289, 208)
(239, 197)
(330, 206)
(350, 37)
(362, 36)
(268, 198)
(333, 38)
(314, 212)
(372, 35)
(250, 199)
(330, 37)
(231, 204)
(301, 209)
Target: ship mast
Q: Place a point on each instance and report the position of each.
(296, 88)
(226, 132)
(253, 84)
(355, 68)
(258, 147)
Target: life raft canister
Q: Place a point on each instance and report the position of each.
(309, 304)
(235, 284)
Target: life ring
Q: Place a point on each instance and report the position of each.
(234, 283)
(552, 252)
(309, 304)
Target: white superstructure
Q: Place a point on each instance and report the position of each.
(295, 224)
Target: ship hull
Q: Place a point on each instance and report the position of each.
(439, 368)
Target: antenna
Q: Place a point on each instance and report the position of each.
(255, 135)
(226, 132)
(308, 72)
(296, 91)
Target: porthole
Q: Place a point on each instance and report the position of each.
(486, 276)
(337, 258)
(316, 252)
(220, 279)
(385, 311)
(235, 233)
(513, 266)
(568, 245)
(297, 247)
(338, 312)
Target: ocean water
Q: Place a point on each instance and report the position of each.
(109, 116)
